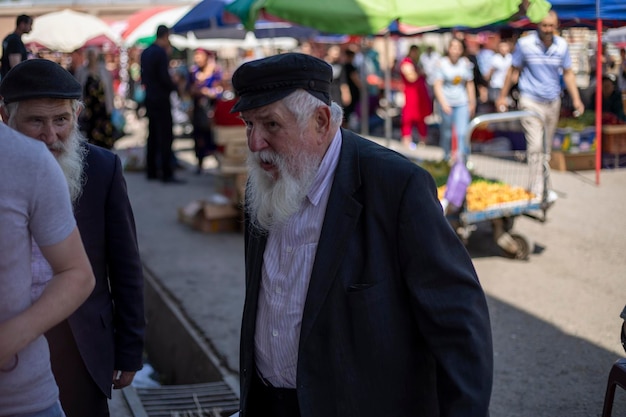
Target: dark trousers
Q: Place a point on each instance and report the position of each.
(79, 394)
(160, 137)
(267, 401)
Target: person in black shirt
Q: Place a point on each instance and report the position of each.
(13, 49)
(353, 80)
(612, 104)
(158, 85)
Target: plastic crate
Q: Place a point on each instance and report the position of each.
(568, 161)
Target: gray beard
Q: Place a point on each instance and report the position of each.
(270, 203)
(71, 161)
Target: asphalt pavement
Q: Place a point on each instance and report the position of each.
(555, 316)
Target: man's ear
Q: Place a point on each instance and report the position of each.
(322, 119)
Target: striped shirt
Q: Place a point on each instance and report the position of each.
(287, 264)
(541, 67)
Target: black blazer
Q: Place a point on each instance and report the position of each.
(155, 75)
(395, 322)
(109, 326)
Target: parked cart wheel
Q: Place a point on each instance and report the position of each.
(523, 247)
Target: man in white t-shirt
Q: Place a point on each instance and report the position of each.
(428, 61)
(498, 67)
(34, 204)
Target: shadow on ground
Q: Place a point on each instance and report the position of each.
(542, 371)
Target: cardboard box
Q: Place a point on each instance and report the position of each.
(240, 184)
(232, 157)
(231, 185)
(133, 158)
(210, 217)
(568, 161)
(236, 151)
(230, 134)
(614, 139)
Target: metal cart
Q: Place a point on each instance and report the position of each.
(515, 168)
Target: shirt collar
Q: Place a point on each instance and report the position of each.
(326, 171)
(541, 45)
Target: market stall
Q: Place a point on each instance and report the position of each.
(602, 13)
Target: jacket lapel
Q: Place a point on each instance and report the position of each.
(255, 246)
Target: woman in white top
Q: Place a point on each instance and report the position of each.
(454, 89)
(498, 68)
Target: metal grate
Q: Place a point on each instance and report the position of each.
(214, 399)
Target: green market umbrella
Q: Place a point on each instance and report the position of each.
(368, 17)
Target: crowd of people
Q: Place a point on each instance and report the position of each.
(358, 86)
(424, 80)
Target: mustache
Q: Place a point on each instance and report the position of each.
(58, 146)
(267, 156)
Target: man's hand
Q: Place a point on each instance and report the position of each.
(501, 104)
(122, 379)
(579, 107)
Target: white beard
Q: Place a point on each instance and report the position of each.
(71, 161)
(271, 202)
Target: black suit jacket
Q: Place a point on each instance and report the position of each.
(395, 322)
(109, 326)
(155, 75)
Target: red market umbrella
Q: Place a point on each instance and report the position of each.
(137, 18)
(142, 26)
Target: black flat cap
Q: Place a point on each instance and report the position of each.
(264, 81)
(39, 78)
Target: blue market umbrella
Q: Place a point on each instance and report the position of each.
(204, 15)
(210, 20)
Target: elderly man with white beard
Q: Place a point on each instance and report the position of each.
(360, 298)
(100, 346)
